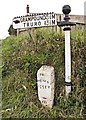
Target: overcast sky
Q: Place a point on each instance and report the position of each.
(12, 8)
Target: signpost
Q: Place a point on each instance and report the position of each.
(35, 20)
(66, 24)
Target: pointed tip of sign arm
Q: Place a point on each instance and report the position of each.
(16, 21)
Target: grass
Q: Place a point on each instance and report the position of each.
(23, 56)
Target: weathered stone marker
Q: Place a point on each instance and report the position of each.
(46, 81)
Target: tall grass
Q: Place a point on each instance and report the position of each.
(23, 56)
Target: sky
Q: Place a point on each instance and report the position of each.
(12, 8)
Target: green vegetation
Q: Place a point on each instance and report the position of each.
(23, 56)
(12, 31)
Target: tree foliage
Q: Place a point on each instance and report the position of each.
(12, 31)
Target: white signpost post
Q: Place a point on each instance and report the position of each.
(67, 62)
(66, 24)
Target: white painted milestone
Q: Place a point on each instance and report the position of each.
(46, 82)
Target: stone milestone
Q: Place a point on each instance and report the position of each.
(46, 82)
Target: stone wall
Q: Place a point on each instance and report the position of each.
(73, 18)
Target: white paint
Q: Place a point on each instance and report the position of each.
(67, 61)
(46, 81)
(35, 20)
(67, 90)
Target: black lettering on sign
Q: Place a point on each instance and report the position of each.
(24, 24)
(31, 23)
(53, 16)
(38, 18)
(44, 22)
(47, 16)
(28, 18)
(53, 22)
(39, 23)
(34, 18)
(47, 22)
(43, 17)
(28, 24)
(35, 23)
(21, 19)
